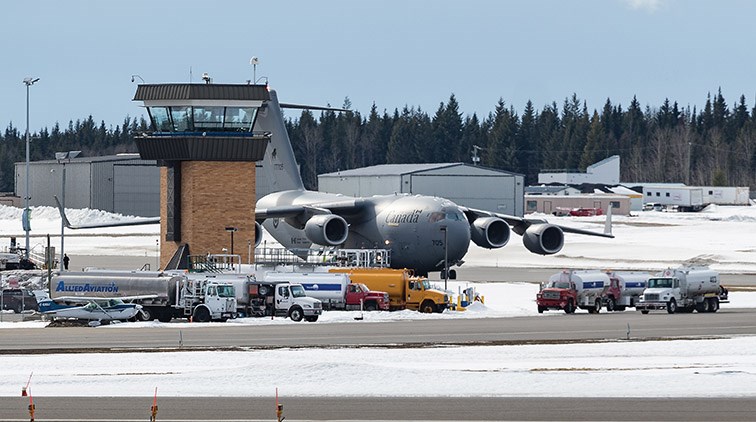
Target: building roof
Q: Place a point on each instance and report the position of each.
(99, 159)
(546, 188)
(239, 92)
(402, 169)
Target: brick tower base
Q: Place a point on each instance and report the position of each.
(213, 195)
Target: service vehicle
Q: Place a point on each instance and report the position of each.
(18, 300)
(276, 298)
(684, 289)
(335, 290)
(405, 290)
(572, 289)
(624, 290)
(174, 294)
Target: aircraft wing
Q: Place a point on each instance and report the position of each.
(348, 209)
(139, 222)
(520, 224)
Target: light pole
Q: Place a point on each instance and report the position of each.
(446, 257)
(232, 230)
(26, 217)
(63, 158)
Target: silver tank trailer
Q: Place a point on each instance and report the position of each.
(95, 284)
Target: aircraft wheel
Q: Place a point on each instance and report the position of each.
(201, 314)
(145, 314)
(671, 306)
(453, 274)
(296, 314)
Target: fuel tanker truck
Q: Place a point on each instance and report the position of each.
(684, 289)
(624, 290)
(572, 289)
(173, 295)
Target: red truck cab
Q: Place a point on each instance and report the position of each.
(371, 300)
(557, 295)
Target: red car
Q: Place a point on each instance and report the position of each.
(586, 212)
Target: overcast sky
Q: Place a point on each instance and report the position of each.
(389, 52)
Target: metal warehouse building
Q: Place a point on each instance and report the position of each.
(472, 186)
(123, 184)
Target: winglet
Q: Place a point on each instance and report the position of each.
(608, 223)
(62, 213)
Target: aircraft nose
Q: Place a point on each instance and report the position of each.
(458, 239)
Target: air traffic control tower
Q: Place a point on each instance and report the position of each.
(204, 140)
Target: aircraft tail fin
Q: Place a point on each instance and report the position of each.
(62, 213)
(608, 223)
(278, 170)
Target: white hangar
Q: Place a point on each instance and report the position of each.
(472, 186)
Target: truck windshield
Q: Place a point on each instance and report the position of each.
(560, 284)
(297, 291)
(660, 282)
(226, 291)
(362, 288)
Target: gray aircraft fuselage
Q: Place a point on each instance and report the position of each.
(410, 226)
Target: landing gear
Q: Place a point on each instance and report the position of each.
(452, 274)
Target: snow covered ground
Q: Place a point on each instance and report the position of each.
(720, 236)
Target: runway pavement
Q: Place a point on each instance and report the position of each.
(86, 409)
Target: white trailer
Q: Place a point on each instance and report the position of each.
(686, 289)
(727, 195)
(683, 198)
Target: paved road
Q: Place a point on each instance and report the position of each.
(539, 328)
(380, 408)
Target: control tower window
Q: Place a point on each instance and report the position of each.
(202, 118)
(208, 118)
(180, 116)
(240, 118)
(160, 120)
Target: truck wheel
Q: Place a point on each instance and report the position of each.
(644, 312)
(371, 306)
(311, 318)
(541, 309)
(201, 314)
(18, 309)
(610, 305)
(671, 306)
(570, 308)
(428, 307)
(714, 304)
(296, 314)
(164, 316)
(597, 308)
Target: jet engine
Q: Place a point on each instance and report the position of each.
(258, 233)
(543, 239)
(326, 230)
(489, 232)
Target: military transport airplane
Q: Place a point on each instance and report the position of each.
(420, 231)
